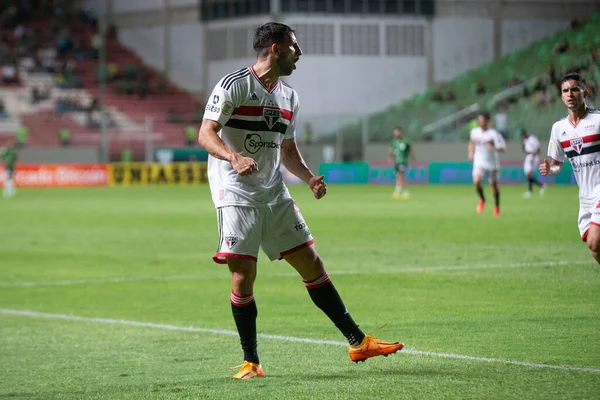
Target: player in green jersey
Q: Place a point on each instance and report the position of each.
(400, 152)
(9, 156)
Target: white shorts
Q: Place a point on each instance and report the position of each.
(491, 174)
(531, 163)
(280, 230)
(589, 214)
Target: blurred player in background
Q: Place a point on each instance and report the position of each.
(249, 130)
(9, 156)
(531, 147)
(484, 146)
(400, 152)
(576, 137)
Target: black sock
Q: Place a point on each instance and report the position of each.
(244, 314)
(530, 184)
(325, 296)
(480, 192)
(497, 198)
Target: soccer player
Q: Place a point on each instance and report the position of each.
(400, 151)
(9, 155)
(249, 129)
(576, 137)
(531, 147)
(484, 146)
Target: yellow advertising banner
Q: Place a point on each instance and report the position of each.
(177, 173)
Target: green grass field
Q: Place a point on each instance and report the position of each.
(111, 293)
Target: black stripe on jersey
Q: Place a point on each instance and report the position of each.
(286, 84)
(256, 126)
(229, 81)
(228, 86)
(231, 75)
(586, 150)
(593, 111)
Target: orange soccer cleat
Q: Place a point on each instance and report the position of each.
(496, 211)
(373, 347)
(248, 370)
(480, 206)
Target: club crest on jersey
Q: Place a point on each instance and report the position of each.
(271, 116)
(577, 144)
(231, 240)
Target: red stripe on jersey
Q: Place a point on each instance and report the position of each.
(257, 111)
(586, 139)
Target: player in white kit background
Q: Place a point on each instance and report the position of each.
(484, 145)
(249, 130)
(576, 138)
(531, 148)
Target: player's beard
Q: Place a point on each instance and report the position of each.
(286, 67)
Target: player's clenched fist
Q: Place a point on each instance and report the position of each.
(243, 165)
(318, 186)
(545, 168)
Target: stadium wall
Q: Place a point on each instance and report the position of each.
(59, 155)
(446, 151)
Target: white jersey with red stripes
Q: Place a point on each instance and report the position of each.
(483, 157)
(580, 144)
(255, 121)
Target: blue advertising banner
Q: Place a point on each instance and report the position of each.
(384, 172)
(434, 173)
(345, 172)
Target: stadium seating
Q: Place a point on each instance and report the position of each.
(130, 111)
(526, 64)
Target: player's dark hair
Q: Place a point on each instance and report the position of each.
(269, 33)
(398, 127)
(485, 115)
(573, 76)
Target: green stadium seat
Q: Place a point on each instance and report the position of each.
(527, 63)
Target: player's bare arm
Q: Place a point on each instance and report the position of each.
(209, 139)
(550, 168)
(293, 161)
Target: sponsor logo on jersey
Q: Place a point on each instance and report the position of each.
(271, 115)
(253, 143)
(254, 97)
(300, 225)
(577, 144)
(231, 240)
(211, 108)
(577, 166)
(589, 128)
(216, 99)
(563, 134)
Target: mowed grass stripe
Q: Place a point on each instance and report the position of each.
(378, 270)
(36, 314)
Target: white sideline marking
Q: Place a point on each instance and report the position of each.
(286, 274)
(36, 314)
